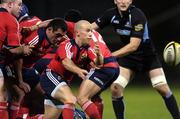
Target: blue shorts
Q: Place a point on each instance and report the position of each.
(31, 77)
(41, 64)
(50, 81)
(103, 77)
(2, 71)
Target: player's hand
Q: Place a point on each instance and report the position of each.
(96, 48)
(95, 66)
(82, 74)
(27, 49)
(24, 86)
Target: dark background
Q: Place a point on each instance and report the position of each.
(163, 16)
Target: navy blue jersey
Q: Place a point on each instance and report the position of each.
(131, 23)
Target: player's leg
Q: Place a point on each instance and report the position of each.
(55, 87)
(97, 100)
(31, 77)
(117, 89)
(3, 96)
(97, 81)
(51, 112)
(159, 82)
(64, 94)
(87, 90)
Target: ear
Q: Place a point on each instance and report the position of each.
(131, 2)
(115, 1)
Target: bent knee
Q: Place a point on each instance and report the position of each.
(81, 100)
(116, 90)
(71, 100)
(163, 89)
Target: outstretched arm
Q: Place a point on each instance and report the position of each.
(129, 48)
(70, 66)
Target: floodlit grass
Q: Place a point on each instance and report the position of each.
(141, 103)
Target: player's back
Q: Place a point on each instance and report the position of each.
(8, 27)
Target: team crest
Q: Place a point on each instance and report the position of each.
(83, 56)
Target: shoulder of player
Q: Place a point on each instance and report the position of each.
(136, 11)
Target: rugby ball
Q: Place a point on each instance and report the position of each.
(171, 54)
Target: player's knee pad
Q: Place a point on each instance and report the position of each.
(121, 81)
(158, 80)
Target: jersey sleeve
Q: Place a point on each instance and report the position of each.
(64, 50)
(13, 33)
(138, 24)
(105, 19)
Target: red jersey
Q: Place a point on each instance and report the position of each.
(109, 60)
(41, 46)
(9, 32)
(69, 49)
(9, 29)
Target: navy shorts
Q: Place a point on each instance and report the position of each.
(3, 72)
(41, 64)
(31, 77)
(140, 63)
(50, 80)
(103, 77)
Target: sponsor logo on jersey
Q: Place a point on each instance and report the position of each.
(116, 21)
(138, 27)
(123, 32)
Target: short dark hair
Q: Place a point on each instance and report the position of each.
(57, 23)
(73, 15)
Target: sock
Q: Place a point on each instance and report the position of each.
(3, 110)
(14, 108)
(68, 111)
(23, 112)
(171, 105)
(99, 103)
(91, 110)
(38, 116)
(118, 106)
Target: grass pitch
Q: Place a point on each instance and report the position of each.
(141, 103)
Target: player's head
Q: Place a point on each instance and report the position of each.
(12, 6)
(24, 12)
(83, 31)
(73, 15)
(56, 29)
(123, 5)
(78, 114)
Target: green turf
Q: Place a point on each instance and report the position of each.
(141, 103)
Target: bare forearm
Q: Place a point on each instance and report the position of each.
(70, 66)
(17, 50)
(41, 25)
(123, 51)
